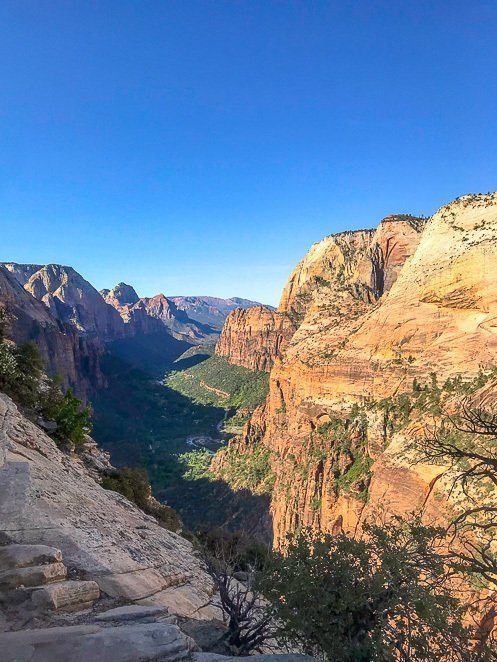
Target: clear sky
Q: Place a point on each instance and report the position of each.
(201, 146)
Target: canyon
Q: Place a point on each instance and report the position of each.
(371, 324)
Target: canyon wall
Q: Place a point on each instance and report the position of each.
(66, 353)
(254, 337)
(212, 311)
(70, 298)
(377, 310)
(341, 277)
(153, 315)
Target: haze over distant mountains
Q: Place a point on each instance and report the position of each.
(145, 330)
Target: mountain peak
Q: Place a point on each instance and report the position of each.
(124, 294)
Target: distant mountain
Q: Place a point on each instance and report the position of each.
(70, 298)
(211, 310)
(149, 314)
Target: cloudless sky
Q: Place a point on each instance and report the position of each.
(201, 146)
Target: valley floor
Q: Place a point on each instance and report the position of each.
(171, 426)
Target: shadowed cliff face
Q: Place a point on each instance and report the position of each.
(75, 358)
(70, 298)
(398, 304)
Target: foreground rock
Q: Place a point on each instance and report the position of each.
(49, 498)
(81, 643)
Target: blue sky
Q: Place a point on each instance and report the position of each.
(201, 146)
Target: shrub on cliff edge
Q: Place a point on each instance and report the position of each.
(383, 597)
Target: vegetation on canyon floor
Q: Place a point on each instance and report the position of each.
(217, 382)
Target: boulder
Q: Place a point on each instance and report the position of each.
(66, 596)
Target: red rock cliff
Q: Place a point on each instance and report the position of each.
(254, 337)
(379, 310)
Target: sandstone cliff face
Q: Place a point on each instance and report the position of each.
(352, 266)
(341, 276)
(65, 352)
(411, 299)
(254, 337)
(70, 298)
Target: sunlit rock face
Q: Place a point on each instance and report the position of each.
(341, 276)
(147, 315)
(377, 309)
(254, 337)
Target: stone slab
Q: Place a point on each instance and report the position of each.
(21, 556)
(142, 642)
(32, 576)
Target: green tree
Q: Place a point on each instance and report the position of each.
(382, 597)
(73, 420)
(26, 386)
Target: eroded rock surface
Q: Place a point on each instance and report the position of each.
(49, 498)
(254, 337)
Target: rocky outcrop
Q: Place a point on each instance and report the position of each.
(380, 310)
(35, 597)
(341, 277)
(348, 268)
(70, 299)
(66, 353)
(120, 295)
(254, 337)
(49, 498)
(211, 310)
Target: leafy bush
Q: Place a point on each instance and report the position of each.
(73, 420)
(385, 597)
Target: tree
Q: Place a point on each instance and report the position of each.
(250, 626)
(73, 420)
(467, 443)
(382, 597)
(26, 386)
